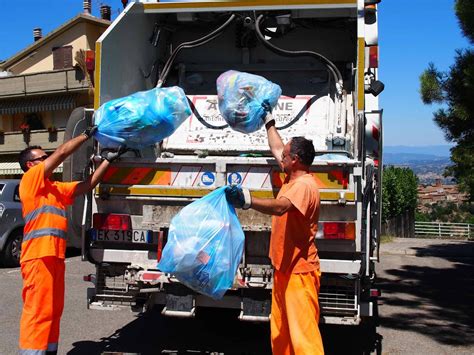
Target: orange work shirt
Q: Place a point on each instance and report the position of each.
(292, 248)
(44, 210)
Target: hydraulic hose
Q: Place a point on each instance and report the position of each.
(198, 42)
(331, 66)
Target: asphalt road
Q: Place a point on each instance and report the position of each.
(428, 297)
(425, 308)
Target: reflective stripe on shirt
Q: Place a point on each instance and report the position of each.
(43, 232)
(44, 209)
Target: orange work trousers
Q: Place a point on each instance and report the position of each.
(295, 314)
(43, 303)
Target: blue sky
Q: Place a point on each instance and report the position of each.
(412, 33)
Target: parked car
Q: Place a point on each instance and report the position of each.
(11, 223)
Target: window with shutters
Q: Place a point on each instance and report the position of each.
(62, 57)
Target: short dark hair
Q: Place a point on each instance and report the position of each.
(304, 149)
(25, 155)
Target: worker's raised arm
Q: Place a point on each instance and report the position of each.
(87, 185)
(274, 139)
(65, 150)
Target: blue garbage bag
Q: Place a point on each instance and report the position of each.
(141, 119)
(240, 96)
(205, 245)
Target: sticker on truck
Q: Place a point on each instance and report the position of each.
(302, 115)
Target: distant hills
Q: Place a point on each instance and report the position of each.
(427, 162)
(400, 154)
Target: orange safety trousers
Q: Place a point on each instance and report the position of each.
(43, 303)
(295, 314)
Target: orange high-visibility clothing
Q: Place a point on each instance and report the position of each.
(295, 307)
(42, 258)
(295, 314)
(43, 303)
(292, 247)
(44, 210)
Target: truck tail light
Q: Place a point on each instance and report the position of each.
(89, 278)
(111, 221)
(337, 230)
(150, 276)
(374, 292)
(374, 57)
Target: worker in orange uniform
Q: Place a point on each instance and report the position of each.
(295, 307)
(44, 240)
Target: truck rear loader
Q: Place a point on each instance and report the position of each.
(324, 55)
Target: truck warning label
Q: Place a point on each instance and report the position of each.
(208, 178)
(234, 179)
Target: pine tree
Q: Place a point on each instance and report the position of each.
(455, 90)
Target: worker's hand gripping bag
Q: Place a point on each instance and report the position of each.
(205, 244)
(141, 119)
(240, 96)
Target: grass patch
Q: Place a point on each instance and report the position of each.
(386, 239)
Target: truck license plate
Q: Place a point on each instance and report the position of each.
(123, 236)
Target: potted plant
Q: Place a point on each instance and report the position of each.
(52, 129)
(25, 128)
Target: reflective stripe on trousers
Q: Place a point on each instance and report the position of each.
(43, 303)
(32, 352)
(51, 347)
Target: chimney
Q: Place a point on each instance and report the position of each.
(87, 7)
(37, 33)
(105, 12)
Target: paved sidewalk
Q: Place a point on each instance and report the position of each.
(429, 247)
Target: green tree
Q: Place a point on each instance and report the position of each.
(399, 191)
(455, 90)
(422, 217)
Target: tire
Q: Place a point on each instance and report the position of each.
(12, 251)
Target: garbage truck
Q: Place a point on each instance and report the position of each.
(324, 55)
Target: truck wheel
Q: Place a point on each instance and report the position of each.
(11, 253)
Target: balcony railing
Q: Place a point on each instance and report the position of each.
(68, 80)
(14, 142)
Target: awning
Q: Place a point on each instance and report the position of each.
(38, 104)
(13, 168)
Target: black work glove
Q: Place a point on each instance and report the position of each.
(266, 106)
(238, 197)
(112, 155)
(267, 117)
(89, 132)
